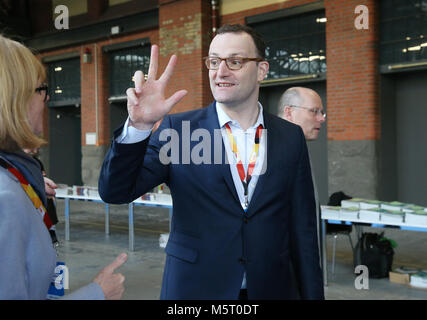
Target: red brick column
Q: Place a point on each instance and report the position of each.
(185, 30)
(352, 60)
(88, 96)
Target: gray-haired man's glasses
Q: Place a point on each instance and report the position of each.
(315, 111)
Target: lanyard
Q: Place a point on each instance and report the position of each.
(245, 178)
(35, 199)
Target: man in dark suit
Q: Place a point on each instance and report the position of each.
(243, 201)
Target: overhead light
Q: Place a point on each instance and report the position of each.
(58, 69)
(408, 38)
(115, 30)
(415, 48)
(423, 44)
(303, 59)
(322, 57)
(404, 50)
(321, 20)
(58, 91)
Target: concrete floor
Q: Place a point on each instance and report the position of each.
(89, 250)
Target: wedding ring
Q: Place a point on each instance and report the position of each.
(145, 77)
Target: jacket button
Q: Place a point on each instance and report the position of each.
(245, 220)
(241, 260)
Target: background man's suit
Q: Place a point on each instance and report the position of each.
(212, 240)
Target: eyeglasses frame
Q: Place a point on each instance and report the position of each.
(244, 60)
(315, 111)
(43, 87)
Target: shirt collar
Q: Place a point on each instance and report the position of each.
(223, 118)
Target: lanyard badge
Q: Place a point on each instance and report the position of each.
(245, 178)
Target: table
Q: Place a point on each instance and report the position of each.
(156, 200)
(359, 223)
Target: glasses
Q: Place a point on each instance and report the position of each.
(233, 63)
(315, 111)
(44, 88)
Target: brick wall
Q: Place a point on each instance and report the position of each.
(352, 77)
(88, 85)
(185, 30)
(352, 59)
(239, 17)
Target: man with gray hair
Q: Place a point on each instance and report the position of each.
(303, 106)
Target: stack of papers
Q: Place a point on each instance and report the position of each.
(370, 215)
(64, 191)
(392, 216)
(369, 204)
(411, 208)
(349, 213)
(416, 217)
(393, 206)
(351, 203)
(331, 212)
(419, 279)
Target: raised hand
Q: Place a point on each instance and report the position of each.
(146, 102)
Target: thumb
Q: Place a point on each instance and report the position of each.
(118, 262)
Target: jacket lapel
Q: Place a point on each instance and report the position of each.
(210, 122)
(262, 180)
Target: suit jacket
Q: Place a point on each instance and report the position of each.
(212, 241)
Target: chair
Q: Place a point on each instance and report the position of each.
(338, 229)
(335, 230)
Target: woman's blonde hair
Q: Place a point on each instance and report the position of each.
(20, 72)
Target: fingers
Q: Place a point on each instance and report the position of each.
(118, 262)
(119, 288)
(50, 183)
(154, 62)
(169, 69)
(49, 186)
(138, 78)
(132, 98)
(175, 98)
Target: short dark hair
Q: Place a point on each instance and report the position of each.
(238, 28)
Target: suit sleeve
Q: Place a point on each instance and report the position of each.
(305, 251)
(131, 170)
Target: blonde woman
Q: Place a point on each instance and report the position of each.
(28, 258)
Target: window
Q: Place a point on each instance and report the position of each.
(296, 45)
(123, 64)
(64, 82)
(403, 31)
